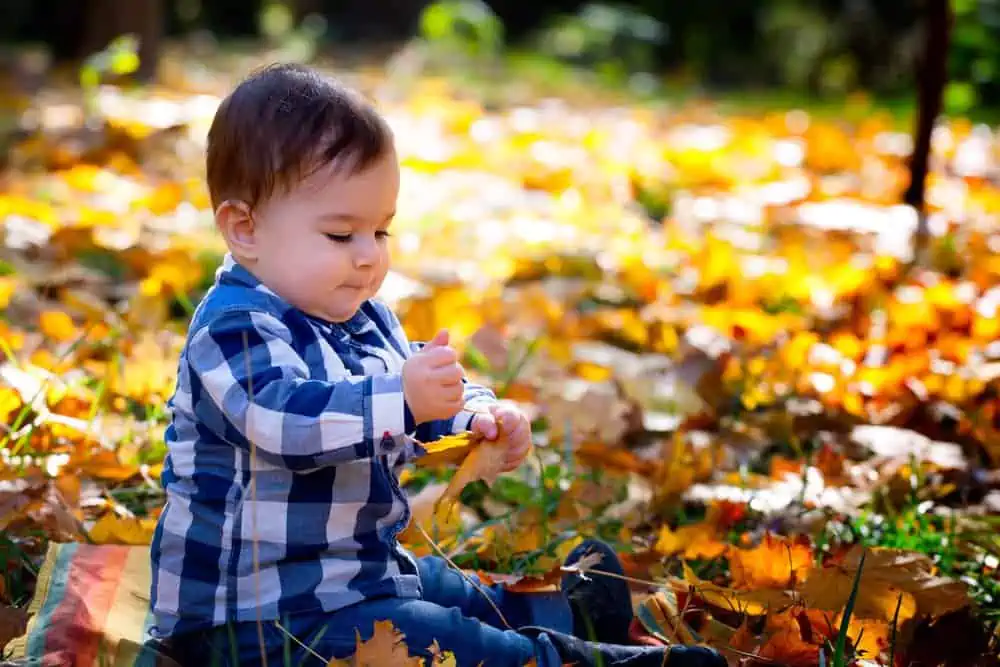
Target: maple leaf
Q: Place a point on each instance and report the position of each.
(776, 562)
(386, 646)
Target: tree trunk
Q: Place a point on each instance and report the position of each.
(932, 75)
(107, 19)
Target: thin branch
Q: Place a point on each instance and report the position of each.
(463, 574)
(254, 545)
(299, 642)
(678, 618)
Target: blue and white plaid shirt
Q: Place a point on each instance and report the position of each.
(323, 404)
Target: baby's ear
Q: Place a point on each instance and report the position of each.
(235, 222)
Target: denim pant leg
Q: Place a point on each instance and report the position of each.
(334, 635)
(444, 586)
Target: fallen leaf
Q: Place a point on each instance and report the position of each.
(788, 648)
(888, 576)
(13, 623)
(483, 462)
(720, 599)
(693, 541)
(870, 636)
(775, 563)
(57, 325)
(104, 465)
(112, 529)
(386, 646)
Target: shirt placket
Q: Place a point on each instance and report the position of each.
(407, 564)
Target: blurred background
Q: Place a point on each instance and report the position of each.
(799, 47)
(738, 261)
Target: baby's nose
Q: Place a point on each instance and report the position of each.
(366, 253)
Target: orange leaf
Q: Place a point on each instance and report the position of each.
(57, 325)
(385, 647)
(104, 464)
(870, 636)
(775, 562)
(697, 540)
(788, 648)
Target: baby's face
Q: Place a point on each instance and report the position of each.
(323, 246)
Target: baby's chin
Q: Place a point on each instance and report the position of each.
(343, 311)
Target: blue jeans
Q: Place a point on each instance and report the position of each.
(451, 611)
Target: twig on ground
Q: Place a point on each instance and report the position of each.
(455, 567)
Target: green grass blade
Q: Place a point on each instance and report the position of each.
(840, 649)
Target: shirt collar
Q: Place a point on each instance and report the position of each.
(232, 272)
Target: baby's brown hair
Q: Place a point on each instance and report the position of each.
(282, 123)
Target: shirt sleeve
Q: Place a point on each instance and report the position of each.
(247, 366)
(475, 396)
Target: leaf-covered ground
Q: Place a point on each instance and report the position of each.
(733, 374)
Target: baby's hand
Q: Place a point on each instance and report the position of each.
(432, 381)
(506, 422)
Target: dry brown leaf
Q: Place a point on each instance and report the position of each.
(661, 613)
(829, 588)
(13, 623)
(483, 462)
(105, 465)
(755, 602)
(888, 574)
(442, 528)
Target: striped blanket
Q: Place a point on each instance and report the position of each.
(90, 609)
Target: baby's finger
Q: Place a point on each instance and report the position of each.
(453, 392)
(440, 356)
(509, 419)
(451, 374)
(485, 425)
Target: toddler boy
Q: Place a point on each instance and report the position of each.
(297, 403)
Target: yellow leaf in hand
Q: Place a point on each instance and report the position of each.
(483, 462)
(449, 449)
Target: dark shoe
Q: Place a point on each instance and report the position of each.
(579, 653)
(602, 606)
(694, 656)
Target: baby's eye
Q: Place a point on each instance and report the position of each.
(339, 238)
(382, 234)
